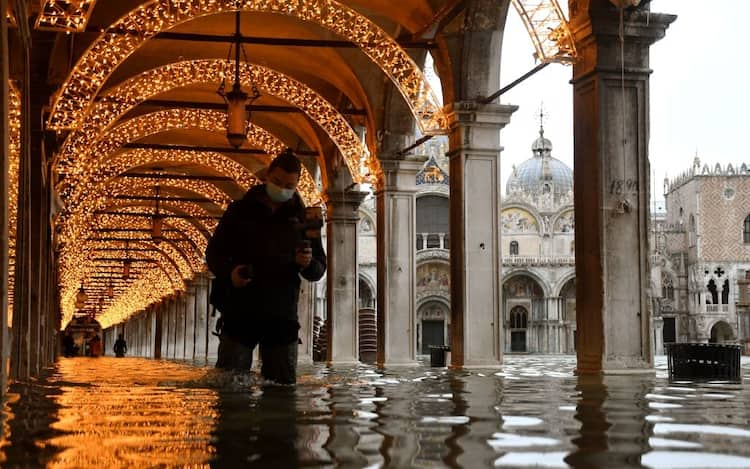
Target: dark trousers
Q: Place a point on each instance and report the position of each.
(278, 361)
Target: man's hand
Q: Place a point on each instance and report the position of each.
(239, 278)
(303, 257)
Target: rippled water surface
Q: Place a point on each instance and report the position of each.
(533, 412)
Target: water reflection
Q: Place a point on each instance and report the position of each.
(532, 413)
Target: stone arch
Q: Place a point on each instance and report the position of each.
(520, 219)
(433, 322)
(564, 221)
(544, 288)
(106, 154)
(721, 332)
(367, 225)
(367, 291)
(90, 72)
(124, 97)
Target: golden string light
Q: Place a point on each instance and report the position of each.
(105, 165)
(548, 30)
(65, 15)
(73, 160)
(14, 153)
(112, 48)
(72, 271)
(75, 224)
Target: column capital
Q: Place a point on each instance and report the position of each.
(343, 205)
(597, 37)
(399, 176)
(475, 113)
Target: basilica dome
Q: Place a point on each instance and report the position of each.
(541, 173)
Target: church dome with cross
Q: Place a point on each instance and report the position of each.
(542, 173)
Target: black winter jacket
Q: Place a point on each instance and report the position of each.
(250, 233)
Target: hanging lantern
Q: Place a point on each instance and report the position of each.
(81, 298)
(157, 222)
(238, 116)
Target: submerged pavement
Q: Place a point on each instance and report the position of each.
(134, 412)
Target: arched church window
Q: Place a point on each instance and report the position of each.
(714, 292)
(514, 248)
(667, 288)
(518, 318)
(746, 231)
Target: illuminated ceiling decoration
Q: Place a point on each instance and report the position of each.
(105, 165)
(142, 23)
(548, 30)
(76, 223)
(65, 16)
(75, 162)
(14, 152)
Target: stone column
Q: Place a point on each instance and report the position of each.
(212, 343)
(201, 317)
(180, 309)
(476, 292)
(341, 322)
(190, 325)
(611, 125)
(396, 263)
(305, 315)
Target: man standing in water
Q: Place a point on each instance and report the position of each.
(258, 252)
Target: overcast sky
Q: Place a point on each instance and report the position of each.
(699, 91)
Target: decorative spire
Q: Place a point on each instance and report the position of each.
(542, 147)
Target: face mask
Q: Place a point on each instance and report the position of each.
(278, 194)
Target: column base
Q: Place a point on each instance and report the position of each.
(633, 371)
(342, 363)
(404, 364)
(479, 364)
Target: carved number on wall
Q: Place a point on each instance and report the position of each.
(623, 186)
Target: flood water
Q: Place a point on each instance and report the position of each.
(534, 412)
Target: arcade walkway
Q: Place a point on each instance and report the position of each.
(134, 412)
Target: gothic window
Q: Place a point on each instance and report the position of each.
(514, 248)
(667, 288)
(725, 293)
(714, 299)
(518, 318)
(746, 231)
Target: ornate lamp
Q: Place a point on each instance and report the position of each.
(238, 115)
(126, 264)
(81, 297)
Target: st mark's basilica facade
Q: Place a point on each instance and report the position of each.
(700, 269)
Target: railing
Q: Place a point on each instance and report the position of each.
(717, 308)
(538, 260)
(433, 241)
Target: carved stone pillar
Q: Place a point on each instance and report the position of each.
(343, 308)
(611, 125)
(396, 254)
(476, 317)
